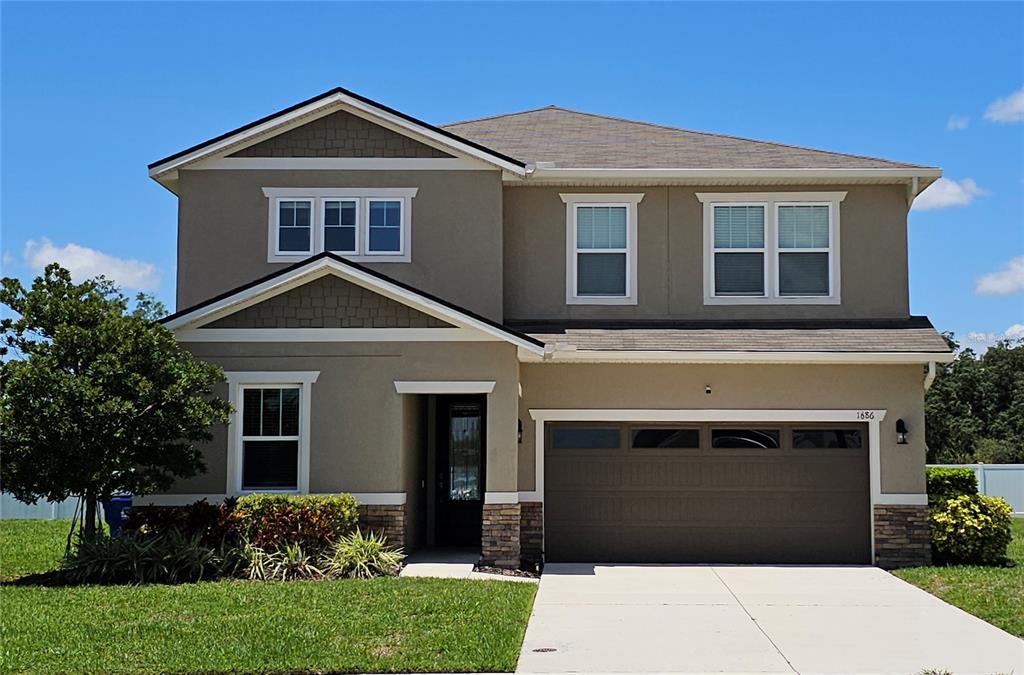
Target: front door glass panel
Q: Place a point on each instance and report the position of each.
(464, 446)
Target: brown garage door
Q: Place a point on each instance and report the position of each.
(750, 493)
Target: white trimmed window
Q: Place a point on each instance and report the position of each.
(601, 248)
(771, 248)
(268, 443)
(270, 437)
(367, 224)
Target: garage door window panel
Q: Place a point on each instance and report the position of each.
(664, 437)
(586, 438)
(745, 438)
(825, 439)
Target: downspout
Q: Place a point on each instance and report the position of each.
(929, 377)
(911, 192)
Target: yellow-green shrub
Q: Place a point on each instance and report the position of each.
(971, 529)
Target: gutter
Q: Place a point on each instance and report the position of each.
(929, 377)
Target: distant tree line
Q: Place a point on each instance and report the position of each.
(975, 408)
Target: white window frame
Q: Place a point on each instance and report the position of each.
(323, 223)
(572, 203)
(832, 209)
(237, 383)
(401, 230)
(771, 201)
(362, 197)
(764, 250)
(297, 438)
(275, 207)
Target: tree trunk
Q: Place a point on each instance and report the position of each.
(89, 522)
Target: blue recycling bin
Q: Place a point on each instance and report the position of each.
(113, 512)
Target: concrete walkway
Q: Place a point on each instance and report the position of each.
(451, 564)
(752, 619)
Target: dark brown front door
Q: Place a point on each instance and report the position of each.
(708, 493)
(460, 470)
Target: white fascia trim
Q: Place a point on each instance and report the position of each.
(323, 106)
(708, 197)
(501, 498)
(323, 266)
(331, 192)
(342, 163)
(443, 387)
(557, 355)
(705, 174)
(705, 415)
(333, 335)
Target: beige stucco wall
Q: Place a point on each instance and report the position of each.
(456, 231)
(361, 434)
(897, 389)
(873, 243)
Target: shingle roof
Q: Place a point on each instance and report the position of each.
(572, 139)
(860, 340)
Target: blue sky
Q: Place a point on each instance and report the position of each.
(91, 93)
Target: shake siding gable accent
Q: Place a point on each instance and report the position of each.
(328, 302)
(341, 134)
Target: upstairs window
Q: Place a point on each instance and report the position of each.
(363, 224)
(771, 248)
(295, 226)
(601, 249)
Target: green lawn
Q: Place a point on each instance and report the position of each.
(388, 625)
(995, 594)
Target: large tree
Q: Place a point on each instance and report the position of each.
(97, 400)
(975, 408)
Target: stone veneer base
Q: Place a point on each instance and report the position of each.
(902, 537)
(531, 531)
(499, 545)
(388, 520)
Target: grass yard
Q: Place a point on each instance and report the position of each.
(995, 594)
(387, 625)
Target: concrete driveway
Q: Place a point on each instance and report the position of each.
(752, 619)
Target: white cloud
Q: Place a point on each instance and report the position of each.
(944, 193)
(957, 122)
(979, 341)
(1006, 280)
(84, 263)
(1007, 109)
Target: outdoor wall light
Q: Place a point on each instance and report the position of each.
(707, 389)
(901, 432)
(519, 433)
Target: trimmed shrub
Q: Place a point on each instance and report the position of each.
(212, 522)
(284, 564)
(360, 556)
(134, 558)
(971, 529)
(314, 522)
(947, 482)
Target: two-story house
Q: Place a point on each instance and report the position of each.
(559, 334)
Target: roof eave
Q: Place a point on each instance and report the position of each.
(555, 354)
(897, 174)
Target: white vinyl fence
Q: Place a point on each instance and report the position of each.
(998, 480)
(11, 508)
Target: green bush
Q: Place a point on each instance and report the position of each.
(283, 564)
(314, 522)
(360, 556)
(133, 558)
(947, 482)
(971, 529)
(212, 522)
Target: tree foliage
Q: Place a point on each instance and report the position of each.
(975, 407)
(97, 400)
